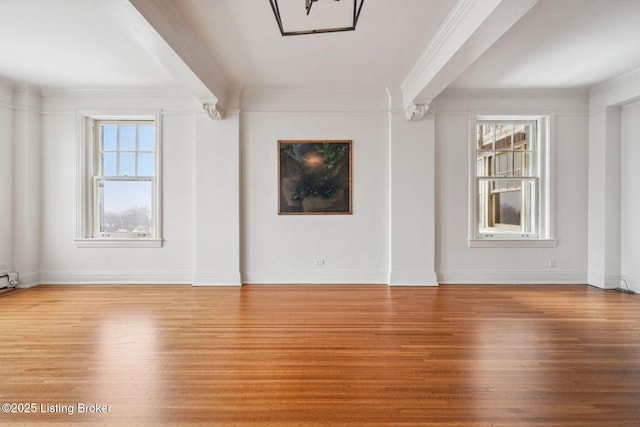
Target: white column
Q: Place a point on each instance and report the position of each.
(218, 198)
(26, 184)
(604, 198)
(6, 177)
(412, 197)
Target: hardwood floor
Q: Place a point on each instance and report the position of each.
(320, 355)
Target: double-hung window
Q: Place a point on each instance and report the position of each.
(123, 187)
(121, 205)
(511, 185)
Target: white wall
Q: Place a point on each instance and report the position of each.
(6, 177)
(62, 261)
(283, 248)
(630, 196)
(456, 262)
(220, 221)
(220, 206)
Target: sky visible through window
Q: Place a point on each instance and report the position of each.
(127, 151)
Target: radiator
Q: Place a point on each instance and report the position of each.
(8, 281)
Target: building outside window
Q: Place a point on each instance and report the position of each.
(511, 196)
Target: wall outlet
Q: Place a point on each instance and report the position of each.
(551, 263)
(318, 262)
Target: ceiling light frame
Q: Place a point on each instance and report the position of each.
(357, 7)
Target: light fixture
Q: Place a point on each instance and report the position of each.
(294, 19)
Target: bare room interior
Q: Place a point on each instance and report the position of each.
(319, 212)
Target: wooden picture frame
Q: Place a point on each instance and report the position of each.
(315, 177)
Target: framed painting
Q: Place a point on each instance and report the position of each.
(314, 177)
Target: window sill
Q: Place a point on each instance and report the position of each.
(118, 243)
(513, 243)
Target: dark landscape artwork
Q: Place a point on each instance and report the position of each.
(314, 177)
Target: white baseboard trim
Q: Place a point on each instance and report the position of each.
(116, 277)
(28, 280)
(596, 278)
(532, 277)
(632, 282)
(217, 279)
(602, 281)
(413, 278)
(316, 277)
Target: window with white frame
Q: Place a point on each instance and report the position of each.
(511, 197)
(121, 186)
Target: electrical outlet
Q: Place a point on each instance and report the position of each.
(551, 263)
(318, 262)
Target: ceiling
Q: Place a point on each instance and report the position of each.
(244, 38)
(72, 44)
(562, 44)
(220, 43)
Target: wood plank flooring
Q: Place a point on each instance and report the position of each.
(320, 356)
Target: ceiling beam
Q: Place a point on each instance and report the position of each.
(469, 30)
(150, 23)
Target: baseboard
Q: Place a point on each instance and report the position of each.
(613, 282)
(309, 277)
(631, 282)
(512, 277)
(217, 279)
(602, 281)
(116, 277)
(28, 280)
(413, 278)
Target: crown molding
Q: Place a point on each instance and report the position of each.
(314, 100)
(615, 83)
(121, 92)
(501, 93)
(616, 92)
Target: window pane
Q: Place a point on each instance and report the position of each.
(484, 163)
(109, 137)
(146, 164)
(127, 137)
(510, 208)
(521, 136)
(109, 164)
(127, 164)
(500, 162)
(503, 137)
(146, 138)
(125, 206)
(522, 163)
(485, 136)
(506, 206)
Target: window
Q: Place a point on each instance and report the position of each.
(510, 197)
(120, 189)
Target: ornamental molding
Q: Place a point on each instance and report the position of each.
(213, 110)
(416, 112)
